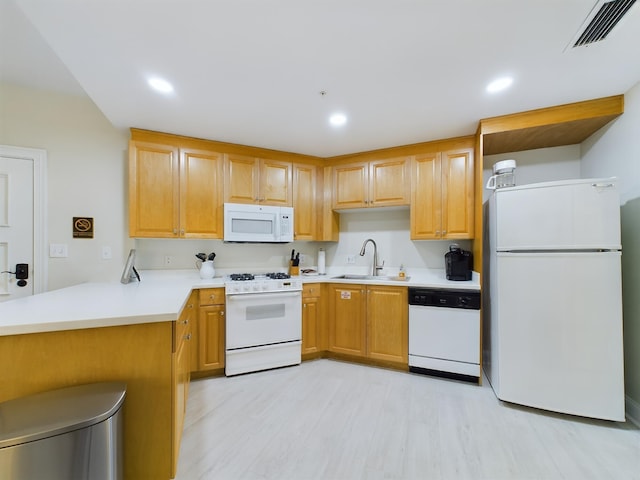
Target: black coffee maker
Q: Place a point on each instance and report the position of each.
(458, 263)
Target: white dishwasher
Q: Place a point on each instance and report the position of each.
(444, 332)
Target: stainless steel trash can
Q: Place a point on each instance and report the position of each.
(73, 433)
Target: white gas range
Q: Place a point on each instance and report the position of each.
(264, 322)
(261, 282)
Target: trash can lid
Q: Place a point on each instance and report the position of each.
(55, 412)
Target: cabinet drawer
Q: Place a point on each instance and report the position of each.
(310, 290)
(211, 296)
(186, 320)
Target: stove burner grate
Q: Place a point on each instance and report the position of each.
(278, 276)
(241, 277)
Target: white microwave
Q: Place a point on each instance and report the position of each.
(257, 223)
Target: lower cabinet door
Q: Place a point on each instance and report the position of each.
(310, 325)
(347, 326)
(211, 337)
(387, 324)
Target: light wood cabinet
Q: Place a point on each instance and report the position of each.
(378, 183)
(442, 198)
(388, 323)
(210, 354)
(181, 372)
(369, 321)
(174, 192)
(347, 319)
(312, 319)
(258, 180)
(304, 201)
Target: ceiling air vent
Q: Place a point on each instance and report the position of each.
(605, 15)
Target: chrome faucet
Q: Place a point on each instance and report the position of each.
(375, 268)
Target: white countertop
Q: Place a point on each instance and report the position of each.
(159, 297)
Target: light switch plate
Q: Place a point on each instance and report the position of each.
(58, 250)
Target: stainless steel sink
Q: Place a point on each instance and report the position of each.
(351, 276)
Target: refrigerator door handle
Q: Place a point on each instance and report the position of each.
(603, 185)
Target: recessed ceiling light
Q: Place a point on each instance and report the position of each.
(160, 85)
(499, 84)
(338, 119)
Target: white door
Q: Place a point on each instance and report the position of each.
(21, 221)
(263, 319)
(560, 332)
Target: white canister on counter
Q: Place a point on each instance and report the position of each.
(207, 270)
(321, 262)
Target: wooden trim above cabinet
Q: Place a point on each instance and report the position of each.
(404, 150)
(568, 124)
(181, 141)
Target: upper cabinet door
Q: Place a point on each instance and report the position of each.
(442, 205)
(200, 194)
(350, 185)
(275, 183)
(378, 183)
(174, 192)
(241, 179)
(153, 190)
(389, 182)
(304, 202)
(458, 194)
(426, 194)
(262, 181)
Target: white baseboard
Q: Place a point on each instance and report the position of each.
(633, 410)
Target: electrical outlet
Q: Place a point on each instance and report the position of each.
(303, 259)
(351, 259)
(169, 260)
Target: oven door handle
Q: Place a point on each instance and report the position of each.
(257, 296)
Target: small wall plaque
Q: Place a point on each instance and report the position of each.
(82, 227)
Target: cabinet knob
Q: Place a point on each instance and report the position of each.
(182, 232)
(221, 313)
(175, 231)
(304, 305)
(187, 336)
(186, 322)
(444, 232)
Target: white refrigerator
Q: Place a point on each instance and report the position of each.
(552, 305)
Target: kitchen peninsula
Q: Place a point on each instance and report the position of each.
(107, 332)
(113, 332)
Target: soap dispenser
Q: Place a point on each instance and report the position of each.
(402, 274)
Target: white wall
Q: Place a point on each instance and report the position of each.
(615, 149)
(86, 176)
(615, 152)
(541, 165)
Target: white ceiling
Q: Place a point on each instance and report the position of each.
(251, 71)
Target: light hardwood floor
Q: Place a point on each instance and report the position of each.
(332, 420)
